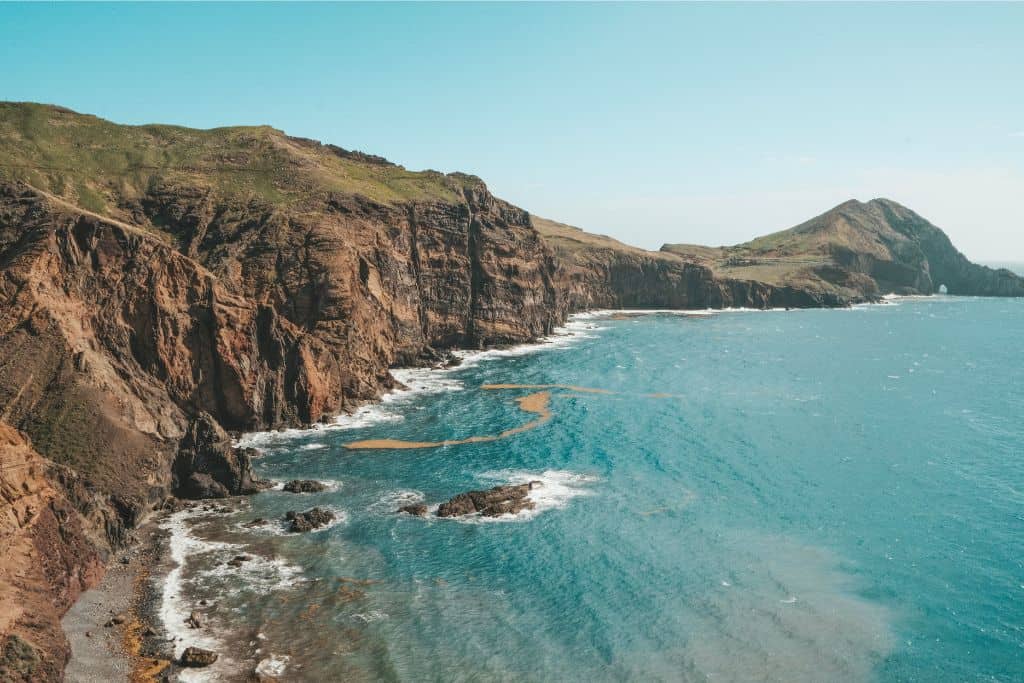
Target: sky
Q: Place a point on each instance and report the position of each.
(653, 123)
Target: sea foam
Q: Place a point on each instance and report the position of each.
(416, 382)
(257, 573)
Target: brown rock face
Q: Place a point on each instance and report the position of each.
(599, 272)
(126, 344)
(117, 335)
(49, 555)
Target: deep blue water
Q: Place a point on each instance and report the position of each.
(821, 496)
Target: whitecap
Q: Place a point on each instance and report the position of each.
(281, 527)
(174, 611)
(273, 666)
(390, 501)
(371, 616)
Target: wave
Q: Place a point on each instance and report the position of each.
(273, 666)
(389, 502)
(257, 573)
(331, 485)
(417, 382)
(281, 527)
(365, 416)
(174, 610)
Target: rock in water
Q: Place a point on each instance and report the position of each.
(197, 657)
(308, 520)
(416, 509)
(500, 500)
(305, 486)
(237, 561)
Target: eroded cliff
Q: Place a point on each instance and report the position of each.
(160, 284)
(143, 306)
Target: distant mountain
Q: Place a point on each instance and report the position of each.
(1016, 267)
(858, 250)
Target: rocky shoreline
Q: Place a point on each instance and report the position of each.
(139, 329)
(114, 630)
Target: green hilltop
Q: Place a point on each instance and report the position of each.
(94, 163)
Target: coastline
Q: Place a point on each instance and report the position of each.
(132, 650)
(145, 646)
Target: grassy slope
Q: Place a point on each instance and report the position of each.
(93, 162)
(791, 257)
(570, 241)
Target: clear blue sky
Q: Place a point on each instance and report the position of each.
(653, 123)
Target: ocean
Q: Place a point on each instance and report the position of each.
(820, 495)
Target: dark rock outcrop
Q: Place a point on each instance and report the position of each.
(197, 657)
(208, 466)
(304, 486)
(416, 510)
(492, 502)
(308, 520)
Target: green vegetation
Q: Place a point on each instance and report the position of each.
(94, 163)
(18, 660)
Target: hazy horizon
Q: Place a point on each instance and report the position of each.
(707, 124)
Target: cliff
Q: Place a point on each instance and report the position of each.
(159, 285)
(49, 556)
(599, 272)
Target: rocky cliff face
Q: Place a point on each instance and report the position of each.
(260, 318)
(133, 331)
(598, 272)
(159, 285)
(929, 251)
(50, 554)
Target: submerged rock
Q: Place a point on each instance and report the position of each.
(416, 509)
(493, 502)
(305, 486)
(197, 657)
(308, 520)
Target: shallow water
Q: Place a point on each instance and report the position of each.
(784, 496)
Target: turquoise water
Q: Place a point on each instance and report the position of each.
(810, 496)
